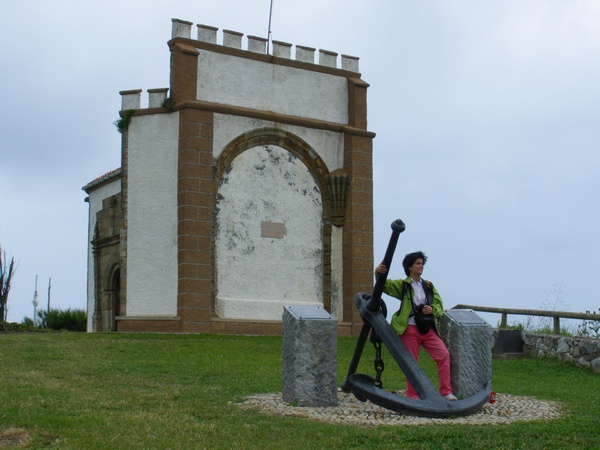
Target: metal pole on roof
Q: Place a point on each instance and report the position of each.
(269, 31)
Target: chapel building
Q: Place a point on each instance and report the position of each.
(244, 187)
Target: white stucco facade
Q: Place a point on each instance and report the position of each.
(258, 85)
(337, 274)
(152, 215)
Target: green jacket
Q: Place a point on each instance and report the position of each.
(400, 318)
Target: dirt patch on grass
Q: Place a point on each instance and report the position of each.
(14, 438)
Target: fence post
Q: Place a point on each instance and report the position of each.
(503, 323)
(556, 325)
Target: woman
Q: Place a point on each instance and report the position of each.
(416, 296)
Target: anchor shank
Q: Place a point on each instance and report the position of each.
(397, 228)
(398, 351)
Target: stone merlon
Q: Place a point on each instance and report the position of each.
(233, 39)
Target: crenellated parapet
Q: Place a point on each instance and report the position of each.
(233, 39)
(132, 99)
(183, 77)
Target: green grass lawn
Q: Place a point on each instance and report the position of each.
(157, 391)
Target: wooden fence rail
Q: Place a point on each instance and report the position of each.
(556, 315)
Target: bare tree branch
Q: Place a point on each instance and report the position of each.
(7, 270)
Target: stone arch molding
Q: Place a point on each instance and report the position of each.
(307, 267)
(275, 136)
(333, 185)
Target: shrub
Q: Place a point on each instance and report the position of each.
(66, 320)
(14, 326)
(514, 326)
(550, 330)
(589, 328)
(122, 124)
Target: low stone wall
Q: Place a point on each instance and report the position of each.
(581, 351)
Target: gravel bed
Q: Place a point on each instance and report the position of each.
(350, 411)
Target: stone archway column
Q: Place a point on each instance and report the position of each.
(195, 220)
(358, 228)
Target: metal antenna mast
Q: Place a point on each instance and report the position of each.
(49, 286)
(269, 31)
(35, 302)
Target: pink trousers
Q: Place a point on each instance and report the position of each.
(433, 344)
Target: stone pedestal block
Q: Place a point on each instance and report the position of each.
(309, 356)
(469, 341)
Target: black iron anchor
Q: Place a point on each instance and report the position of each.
(430, 403)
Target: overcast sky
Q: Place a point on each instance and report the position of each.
(487, 117)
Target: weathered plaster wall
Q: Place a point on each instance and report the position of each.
(330, 147)
(95, 204)
(286, 90)
(258, 275)
(152, 215)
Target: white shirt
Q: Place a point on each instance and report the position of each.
(419, 297)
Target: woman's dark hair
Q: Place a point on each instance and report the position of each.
(410, 259)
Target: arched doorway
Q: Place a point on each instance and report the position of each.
(268, 236)
(112, 301)
(275, 164)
